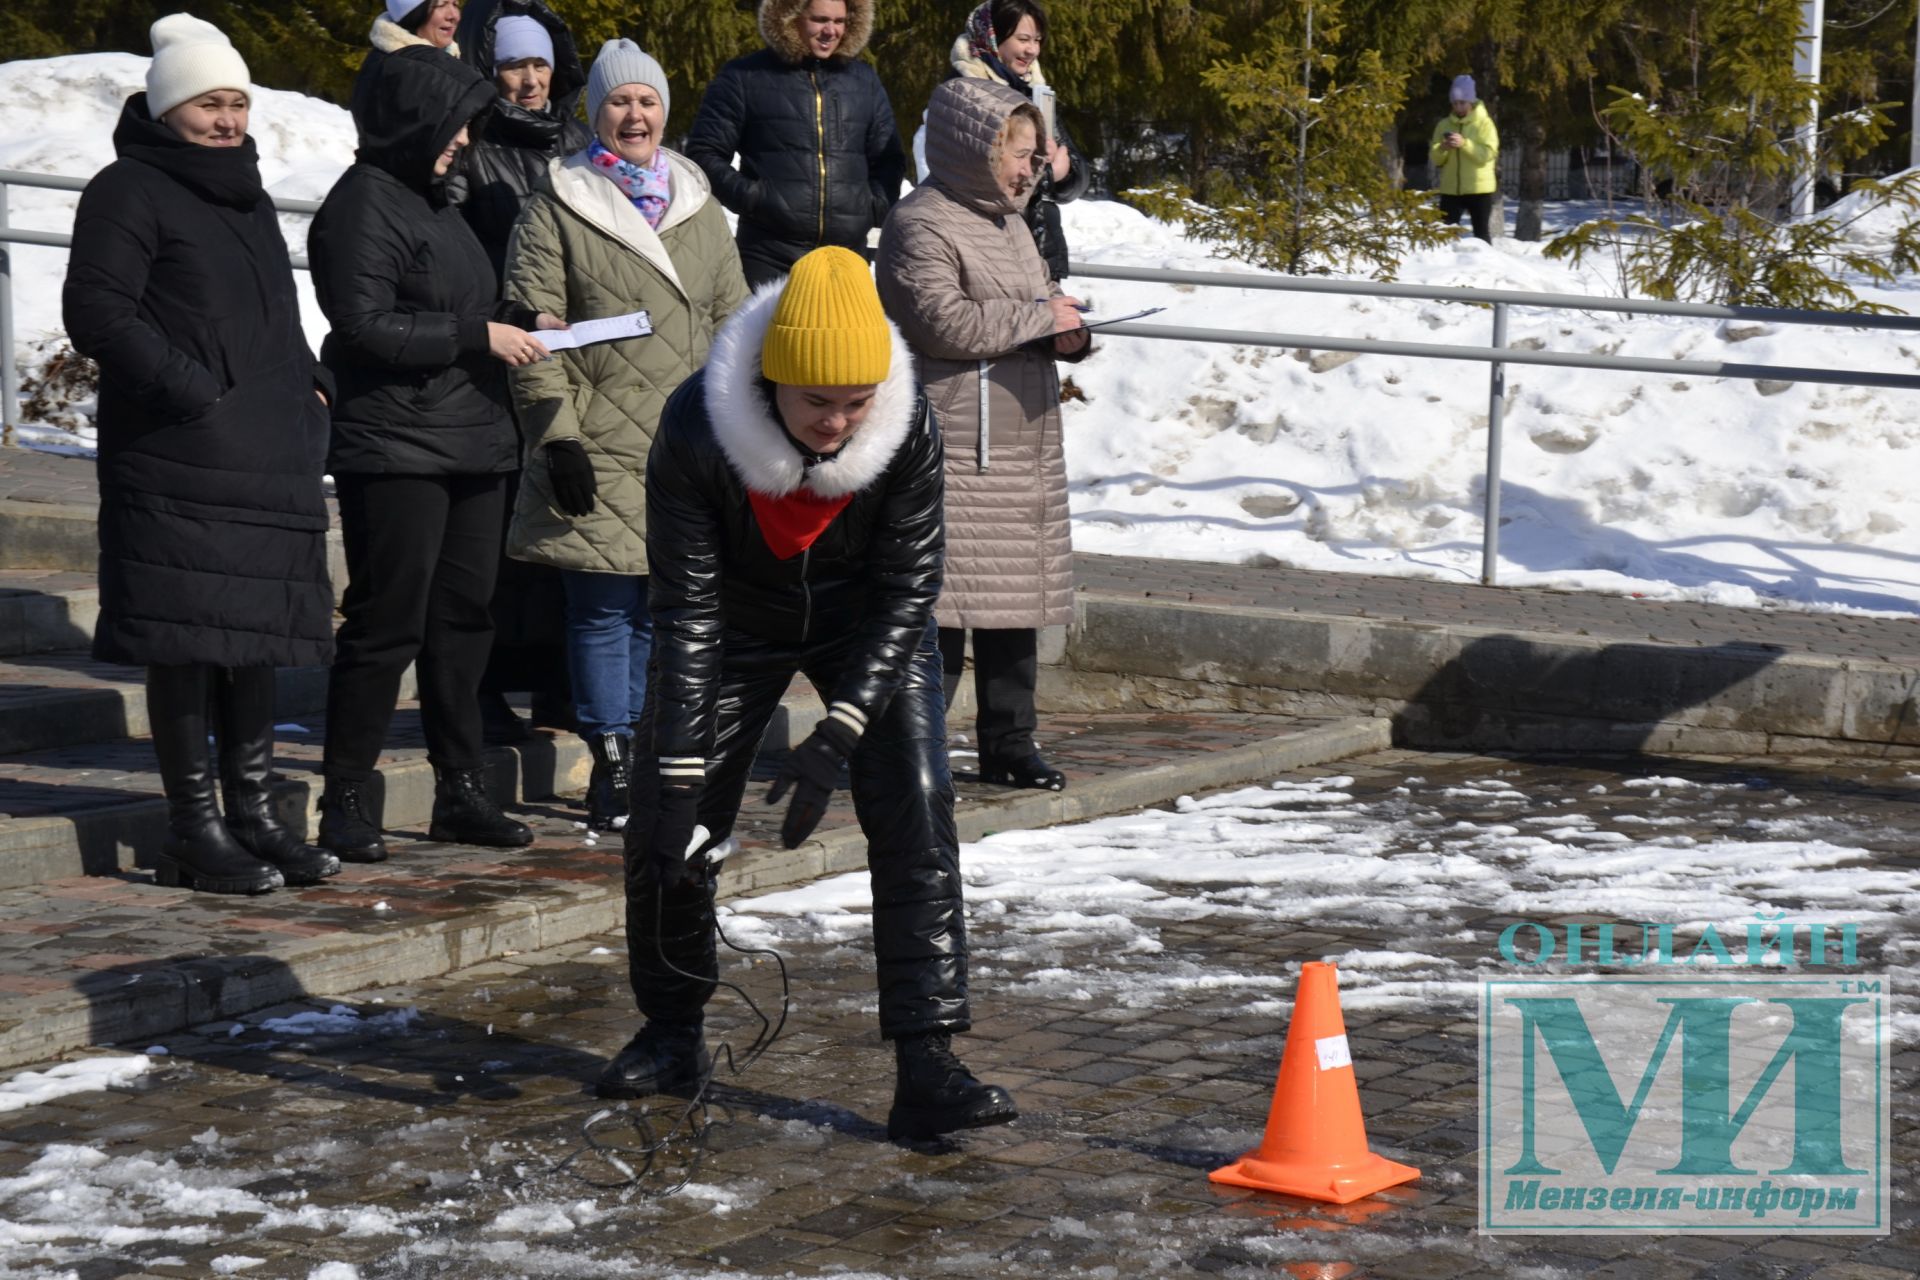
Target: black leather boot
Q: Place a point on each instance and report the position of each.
(607, 794)
(463, 813)
(244, 699)
(936, 1094)
(666, 1057)
(200, 852)
(350, 818)
(1031, 771)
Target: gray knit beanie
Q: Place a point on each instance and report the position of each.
(624, 62)
(1463, 90)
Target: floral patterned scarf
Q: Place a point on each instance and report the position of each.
(647, 187)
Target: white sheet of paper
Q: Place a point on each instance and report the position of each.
(1101, 322)
(585, 333)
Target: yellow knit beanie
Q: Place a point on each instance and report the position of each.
(828, 328)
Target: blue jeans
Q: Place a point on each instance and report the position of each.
(609, 638)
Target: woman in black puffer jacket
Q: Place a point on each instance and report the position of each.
(536, 118)
(213, 563)
(422, 446)
(820, 156)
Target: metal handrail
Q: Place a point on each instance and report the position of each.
(1498, 355)
(9, 374)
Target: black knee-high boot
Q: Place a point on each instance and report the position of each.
(244, 699)
(201, 853)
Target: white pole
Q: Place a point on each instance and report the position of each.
(1806, 65)
(1913, 97)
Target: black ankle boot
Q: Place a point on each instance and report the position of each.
(936, 1094)
(1029, 771)
(500, 725)
(463, 813)
(200, 852)
(607, 792)
(666, 1057)
(350, 818)
(244, 697)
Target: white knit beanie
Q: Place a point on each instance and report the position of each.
(1463, 90)
(191, 57)
(624, 62)
(516, 38)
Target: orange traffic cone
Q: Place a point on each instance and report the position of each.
(1316, 1143)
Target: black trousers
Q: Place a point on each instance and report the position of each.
(903, 796)
(1006, 671)
(1479, 209)
(422, 553)
(529, 624)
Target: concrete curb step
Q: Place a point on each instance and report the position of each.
(44, 610)
(116, 837)
(113, 1008)
(66, 699)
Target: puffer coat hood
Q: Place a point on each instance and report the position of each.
(780, 28)
(959, 273)
(583, 252)
(415, 101)
(965, 119)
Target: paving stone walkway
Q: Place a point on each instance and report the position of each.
(435, 1128)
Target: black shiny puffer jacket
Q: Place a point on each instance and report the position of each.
(497, 173)
(872, 574)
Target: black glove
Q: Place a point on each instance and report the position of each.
(812, 770)
(571, 471)
(673, 824)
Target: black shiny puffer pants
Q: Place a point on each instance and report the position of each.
(903, 796)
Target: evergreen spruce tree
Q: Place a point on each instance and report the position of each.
(1715, 137)
(1309, 193)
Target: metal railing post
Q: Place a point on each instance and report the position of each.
(9, 375)
(1496, 420)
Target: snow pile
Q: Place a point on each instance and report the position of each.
(89, 1075)
(1674, 488)
(1875, 227)
(1079, 910)
(342, 1020)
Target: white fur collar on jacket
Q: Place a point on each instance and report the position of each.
(961, 58)
(751, 436)
(589, 193)
(390, 37)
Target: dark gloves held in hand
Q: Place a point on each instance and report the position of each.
(812, 770)
(674, 829)
(571, 471)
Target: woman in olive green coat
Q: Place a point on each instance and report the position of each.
(624, 226)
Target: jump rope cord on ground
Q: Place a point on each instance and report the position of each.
(636, 1157)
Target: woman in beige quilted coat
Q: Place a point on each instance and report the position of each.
(960, 275)
(623, 226)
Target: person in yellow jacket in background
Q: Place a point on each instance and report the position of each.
(1466, 160)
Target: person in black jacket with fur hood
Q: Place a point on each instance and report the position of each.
(212, 419)
(422, 445)
(820, 154)
(794, 526)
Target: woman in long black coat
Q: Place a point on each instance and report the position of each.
(213, 426)
(422, 446)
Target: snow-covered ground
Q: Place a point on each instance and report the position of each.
(1673, 488)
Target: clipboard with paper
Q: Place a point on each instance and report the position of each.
(1104, 321)
(585, 333)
